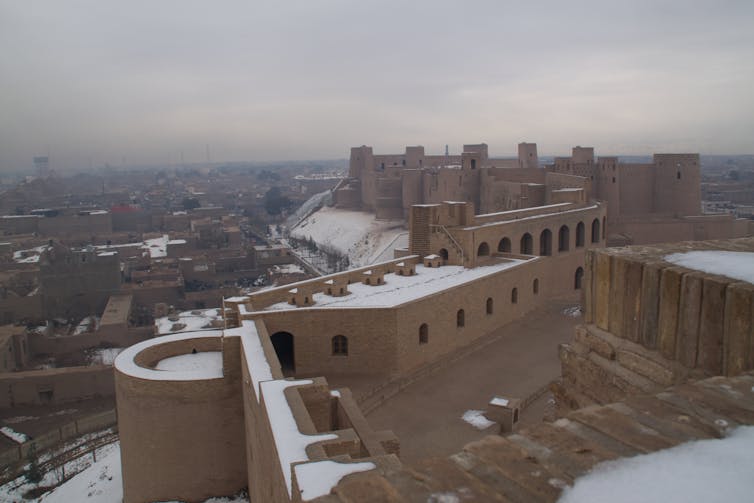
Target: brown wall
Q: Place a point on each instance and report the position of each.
(38, 387)
(190, 432)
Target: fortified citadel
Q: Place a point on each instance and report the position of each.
(490, 240)
(647, 203)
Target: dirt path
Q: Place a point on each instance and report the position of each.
(426, 415)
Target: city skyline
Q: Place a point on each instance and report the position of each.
(146, 84)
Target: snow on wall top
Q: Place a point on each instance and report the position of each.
(289, 441)
(317, 478)
(736, 265)
(398, 290)
(259, 368)
(125, 361)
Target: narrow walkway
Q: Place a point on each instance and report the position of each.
(426, 415)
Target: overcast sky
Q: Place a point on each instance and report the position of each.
(146, 80)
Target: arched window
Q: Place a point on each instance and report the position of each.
(484, 250)
(461, 318)
(340, 345)
(564, 238)
(514, 296)
(504, 245)
(443, 253)
(580, 235)
(578, 278)
(490, 305)
(527, 248)
(545, 243)
(535, 286)
(423, 333)
(596, 230)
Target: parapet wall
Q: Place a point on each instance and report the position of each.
(191, 434)
(650, 323)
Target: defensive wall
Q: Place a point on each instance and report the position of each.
(192, 435)
(650, 323)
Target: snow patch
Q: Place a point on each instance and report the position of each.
(573, 311)
(736, 265)
(205, 361)
(14, 435)
(694, 472)
(319, 477)
(357, 234)
(476, 419)
(289, 441)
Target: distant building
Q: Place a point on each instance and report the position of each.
(42, 165)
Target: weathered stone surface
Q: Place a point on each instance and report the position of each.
(602, 290)
(607, 442)
(688, 320)
(622, 428)
(739, 327)
(632, 271)
(367, 488)
(617, 294)
(667, 326)
(646, 367)
(650, 304)
(711, 326)
(526, 471)
(599, 345)
(681, 424)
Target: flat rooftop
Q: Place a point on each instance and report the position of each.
(398, 290)
(117, 310)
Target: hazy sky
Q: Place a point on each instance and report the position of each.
(270, 80)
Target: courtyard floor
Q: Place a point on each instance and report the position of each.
(522, 357)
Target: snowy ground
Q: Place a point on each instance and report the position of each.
(354, 233)
(189, 321)
(696, 472)
(98, 482)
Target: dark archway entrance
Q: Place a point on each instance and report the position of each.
(283, 344)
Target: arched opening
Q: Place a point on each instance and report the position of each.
(580, 234)
(490, 305)
(564, 238)
(596, 230)
(604, 228)
(423, 333)
(545, 243)
(461, 318)
(535, 286)
(527, 246)
(340, 345)
(504, 245)
(578, 278)
(514, 296)
(483, 250)
(443, 253)
(283, 344)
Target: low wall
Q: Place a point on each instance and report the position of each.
(40, 443)
(39, 387)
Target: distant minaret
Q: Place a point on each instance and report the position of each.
(446, 150)
(208, 157)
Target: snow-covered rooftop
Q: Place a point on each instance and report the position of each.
(736, 265)
(125, 361)
(398, 290)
